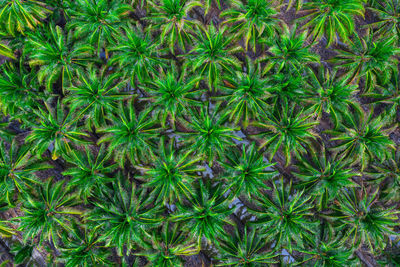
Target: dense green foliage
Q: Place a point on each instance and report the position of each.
(199, 133)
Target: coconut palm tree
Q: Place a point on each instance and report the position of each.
(17, 170)
(171, 18)
(247, 171)
(47, 212)
(98, 21)
(212, 54)
(56, 55)
(252, 20)
(207, 134)
(130, 135)
(286, 216)
(94, 94)
(286, 128)
(207, 213)
(369, 58)
(332, 19)
(21, 16)
(124, 216)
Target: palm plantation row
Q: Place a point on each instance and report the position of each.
(173, 132)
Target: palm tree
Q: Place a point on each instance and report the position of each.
(363, 138)
(387, 12)
(212, 54)
(172, 93)
(286, 217)
(48, 212)
(137, 55)
(207, 213)
(90, 171)
(364, 221)
(17, 170)
(370, 58)
(332, 18)
(19, 91)
(247, 172)
(286, 128)
(287, 85)
(244, 249)
(387, 175)
(82, 247)
(170, 17)
(123, 215)
(95, 95)
(56, 130)
(388, 94)
(289, 52)
(171, 173)
(331, 94)
(327, 254)
(252, 20)
(21, 16)
(98, 21)
(324, 175)
(246, 92)
(167, 245)
(207, 134)
(56, 55)
(130, 135)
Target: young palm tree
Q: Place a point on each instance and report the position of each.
(171, 173)
(98, 21)
(56, 55)
(244, 249)
(325, 176)
(332, 18)
(90, 171)
(57, 128)
(82, 247)
(95, 95)
(207, 214)
(369, 58)
(21, 16)
(123, 215)
(19, 91)
(328, 93)
(289, 52)
(388, 12)
(363, 220)
(387, 94)
(212, 54)
(130, 135)
(387, 175)
(287, 85)
(327, 254)
(286, 128)
(363, 138)
(246, 92)
(137, 55)
(252, 20)
(172, 94)
(17, 170)
(167, 245)
(286, 217)
(170, 17)
(246, 171)
(48, 212)
(207, 134)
